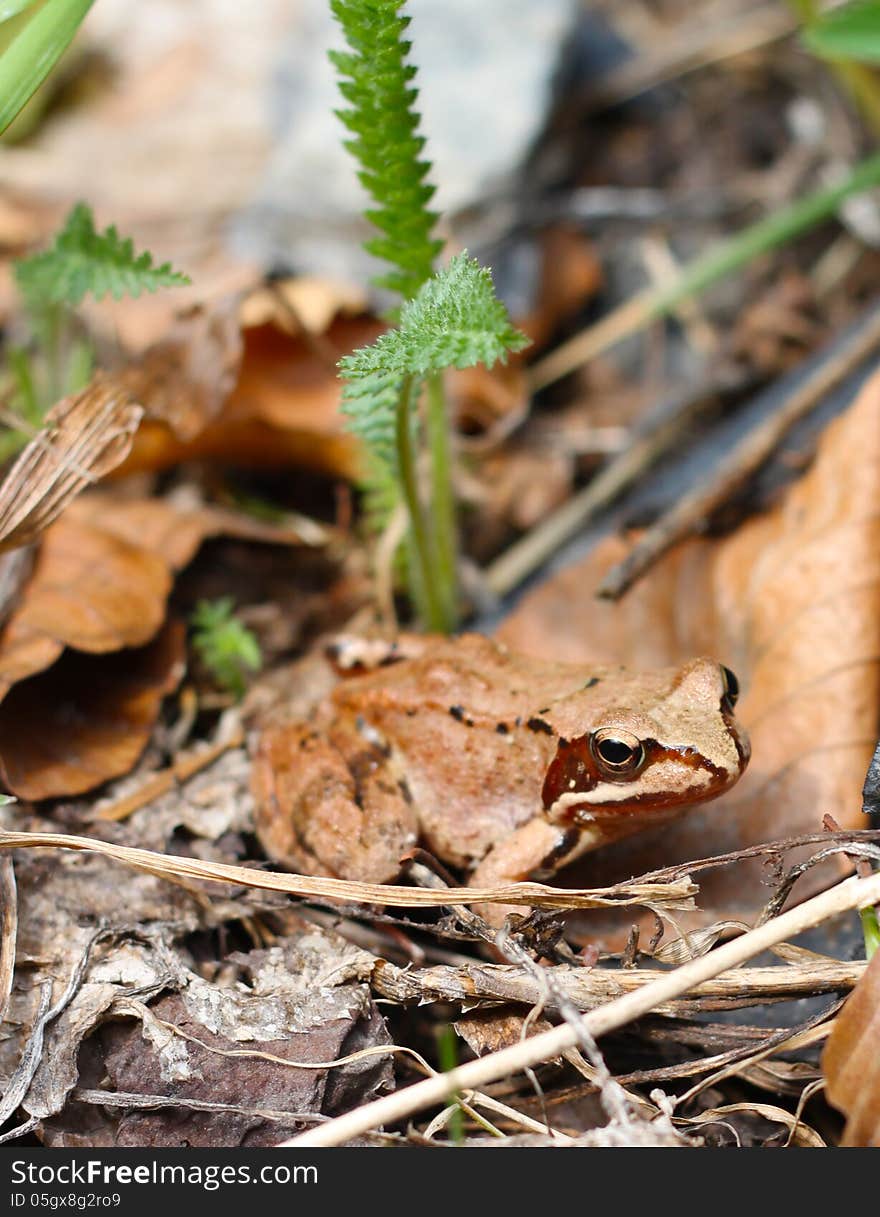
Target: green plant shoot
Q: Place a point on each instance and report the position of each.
(849, 32)
(227, 648)
(33, 36)
(447, 319)
(81, 261)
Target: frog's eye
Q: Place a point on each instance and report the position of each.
(617, 753)
(731, 687)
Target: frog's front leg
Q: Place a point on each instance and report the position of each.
(328, 803)
(535, 851)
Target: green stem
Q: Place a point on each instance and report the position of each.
(870, 929)
(50, 331)
(443, 499)
(694, 278)
(858, 79)
(22, 372)
(423, 577)
(760, 238)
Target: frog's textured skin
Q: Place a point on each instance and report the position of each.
(504, 766)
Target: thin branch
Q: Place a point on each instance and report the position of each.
(852, 893)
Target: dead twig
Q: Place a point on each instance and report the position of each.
(8, 931)
(657, 435)
(852, 893)
(587, 988)
(185, 766)
(691, 512)
(21, 1079)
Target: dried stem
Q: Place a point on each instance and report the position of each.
(852, 893)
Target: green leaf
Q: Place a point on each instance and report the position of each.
(10, 8)
(376, 81)
(850, 32)
(455, 321)
(83, 261)
(226, 647)
(31, 43)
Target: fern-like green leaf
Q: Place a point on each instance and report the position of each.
(455, 320)
(376, 81)
(83, 261)
(226, 647)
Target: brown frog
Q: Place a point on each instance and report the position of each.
(505, 766)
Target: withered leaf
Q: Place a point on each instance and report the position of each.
(790, 603)
(283, 410)
(91, 590)
(103, 574)
(87, 719)
(208, 1047)
(86, 435)
(184, 379)
(851, 1062)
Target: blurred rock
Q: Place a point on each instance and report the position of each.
(486, 76)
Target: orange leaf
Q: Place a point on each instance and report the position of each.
(103, 575)
(283, 411)
(93, 591)
(86, 720)
(184, 379)
(851, 1062)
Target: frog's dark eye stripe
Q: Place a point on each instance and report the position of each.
(617, 753)
(731, 686)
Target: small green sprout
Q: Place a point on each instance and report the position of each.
(227, 648)
(393, 395)
(58, 358)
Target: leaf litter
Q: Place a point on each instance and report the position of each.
(127, 1021)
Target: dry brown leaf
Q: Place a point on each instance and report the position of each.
(85, 436)
(184, 379)
(103, 575)
(491, 1030)
(790, 603)
(234, 1063)
(92, 591)
(87, 719)
(306, 303)
(851, 1062)
(282, 412)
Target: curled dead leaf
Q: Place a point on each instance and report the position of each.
(100, 584)
(184, 379)
(87, 719)
(103, 575)
(851, 1063)
(283, 410)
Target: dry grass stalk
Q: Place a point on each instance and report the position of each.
(852, 893)
(676, 895)
(85, 436)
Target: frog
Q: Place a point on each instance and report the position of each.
(503, 766)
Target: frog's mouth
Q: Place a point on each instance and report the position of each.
(670, 778)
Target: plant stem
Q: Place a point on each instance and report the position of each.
(22, 372)
(422, 577)
(722, 260)
(442, 500)
(870, 929)
(858, 79)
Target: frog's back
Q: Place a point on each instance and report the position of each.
(462, 723)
